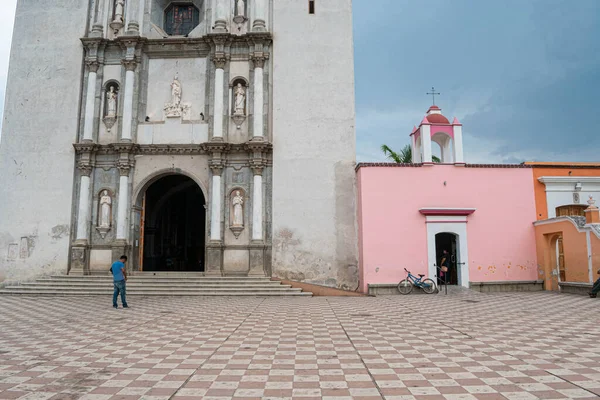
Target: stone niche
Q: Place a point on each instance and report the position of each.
(108, 126)
(188, 124)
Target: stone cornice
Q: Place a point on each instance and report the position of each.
(262, 148)
(85, 147)
(569, 179)
(178, 47)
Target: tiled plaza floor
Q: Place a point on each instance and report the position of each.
(513, 346)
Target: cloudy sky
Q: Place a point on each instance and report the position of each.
(523, 76)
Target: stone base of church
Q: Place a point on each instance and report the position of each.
(79, 259)
(214, 258)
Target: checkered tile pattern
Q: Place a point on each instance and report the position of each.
(515, 346)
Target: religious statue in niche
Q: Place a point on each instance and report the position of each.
(240, 8)
(237, 212)
(176, 108)
(112, 95)
(117, 22)
(240, 100)
(104, 213)
(240, 14)
(239, 104)
(111, 102)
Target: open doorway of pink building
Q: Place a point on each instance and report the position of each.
(448, 241)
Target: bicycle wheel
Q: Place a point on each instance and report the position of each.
(405, 287)
(428, 286)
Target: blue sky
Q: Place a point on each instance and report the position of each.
(523, 76)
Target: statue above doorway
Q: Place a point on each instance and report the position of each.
(175, 108)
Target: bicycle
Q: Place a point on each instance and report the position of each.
(406, 285)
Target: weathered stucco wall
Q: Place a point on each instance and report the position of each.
(314, 210)
(39, 128)
(500, 234)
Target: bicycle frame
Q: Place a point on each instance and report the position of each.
(414, 280)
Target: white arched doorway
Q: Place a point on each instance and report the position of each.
(448, 223)
(170, 224)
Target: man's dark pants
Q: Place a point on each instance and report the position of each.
(119, 288)
(595, 288)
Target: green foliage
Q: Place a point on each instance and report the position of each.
(404, 156)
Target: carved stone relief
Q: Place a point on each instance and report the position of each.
(24, 251)
(13, 251)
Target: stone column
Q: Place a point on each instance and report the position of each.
(141, 10)
(220, 60)
(258, 126)
(83, 214)
(130, 66)
(90, 102)
(260, 16)
(220, 16)
(123, 202)
(257, 205)
(215, 204)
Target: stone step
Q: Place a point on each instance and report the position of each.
(161, 289)
(169, 277)
(155, 285)
(17, 292)
(160, 282)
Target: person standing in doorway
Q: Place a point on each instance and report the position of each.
(119, 278)
(445, 267)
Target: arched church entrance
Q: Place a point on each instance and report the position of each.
(173, 226)
(449, 242)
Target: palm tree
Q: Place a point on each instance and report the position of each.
(402, 157)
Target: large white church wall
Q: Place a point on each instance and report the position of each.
(314, 195)
(192, 75)
(172, 131)
(40, 125)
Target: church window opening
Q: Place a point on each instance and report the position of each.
(181, 19)
(311, 6)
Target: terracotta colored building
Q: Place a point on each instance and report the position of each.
(567, 229)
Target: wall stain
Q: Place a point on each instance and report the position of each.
(59, 231)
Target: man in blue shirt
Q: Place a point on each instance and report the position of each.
(120, 277)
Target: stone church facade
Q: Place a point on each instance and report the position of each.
(214, 136)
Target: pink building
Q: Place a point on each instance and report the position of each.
(482, 214)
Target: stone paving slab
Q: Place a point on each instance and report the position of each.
(514, 346)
